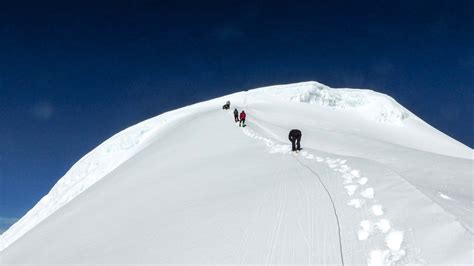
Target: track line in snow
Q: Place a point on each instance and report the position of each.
(285, 149)
(308, 211)
(393, 239)
(277, 226)
(333, 206)
(244, 250)
(353, 180)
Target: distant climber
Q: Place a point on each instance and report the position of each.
(242, 119)
(226, 106)
(236, 115)
(295, 138)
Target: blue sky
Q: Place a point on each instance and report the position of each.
(72, 75)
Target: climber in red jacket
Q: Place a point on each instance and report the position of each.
(242, 119)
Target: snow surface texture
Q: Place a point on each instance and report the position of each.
(372, 105)
(90, 169)
(373, 185)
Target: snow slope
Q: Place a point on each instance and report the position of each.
(374, 185)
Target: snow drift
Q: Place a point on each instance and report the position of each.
(208, 193)
(369, 104)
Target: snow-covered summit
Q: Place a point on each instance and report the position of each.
(212, 192)
(367, 103)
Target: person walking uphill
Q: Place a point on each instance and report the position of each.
(236, 115)
(295, 138)
(242, 119)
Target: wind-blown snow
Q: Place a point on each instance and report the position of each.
(369, 104)
(173, 197)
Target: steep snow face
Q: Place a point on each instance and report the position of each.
(393, 182)
(95, 165)
(368, 104)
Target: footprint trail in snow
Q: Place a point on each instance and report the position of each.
(360, 194)
(357, 188)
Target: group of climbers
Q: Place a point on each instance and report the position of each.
(241, 118)
(294, 136)
(238, 118)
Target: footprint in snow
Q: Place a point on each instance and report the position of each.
(394, 240)
(388, 256)
(279, 149)
(383, 225)
(331, 161)
(368, 193)
(376, 210)
(366, 231)
(355, 173)
(377, 257)
(444, 196)
(363, 180)
(343, 168)
(351, 189)
(356, 203)
(347, 178)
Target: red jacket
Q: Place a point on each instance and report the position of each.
(242, 115)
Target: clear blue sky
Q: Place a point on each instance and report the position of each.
(72, 75)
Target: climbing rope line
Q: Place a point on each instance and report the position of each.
(333, 207)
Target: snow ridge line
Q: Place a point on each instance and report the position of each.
(333, 207)
(95, 165)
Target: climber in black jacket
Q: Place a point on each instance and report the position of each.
(236, 115)
(295, 138)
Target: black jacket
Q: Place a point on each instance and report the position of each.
(294, 133)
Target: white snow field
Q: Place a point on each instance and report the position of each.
(374, 185)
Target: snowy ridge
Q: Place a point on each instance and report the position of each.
(356, 193)
(92, 167)
(83, 174)
(367, 103)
